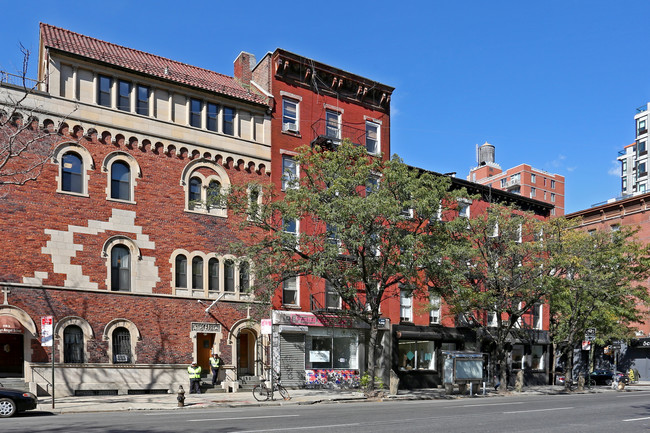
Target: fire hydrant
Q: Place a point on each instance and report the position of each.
(181, 396)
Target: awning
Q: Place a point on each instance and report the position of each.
(447, 334)
(10, 325)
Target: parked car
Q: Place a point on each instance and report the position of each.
(602, 377)
(13, 401)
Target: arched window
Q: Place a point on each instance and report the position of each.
(229, 271)
(71, 172)
(197, 273)
(181, 271)
(195, 192)
(213, 274)
(244, 277)
(120, 268)
(121, 181)
(212, 195)
(121, 345)
(73, 345)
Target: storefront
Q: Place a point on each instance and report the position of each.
(417, 350)
(318, 350)
(637, 356)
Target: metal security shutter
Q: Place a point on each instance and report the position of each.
(292, 359)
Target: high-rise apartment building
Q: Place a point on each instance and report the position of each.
(521, 179)
(634, 157)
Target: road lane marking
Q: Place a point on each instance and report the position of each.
(243, 417)
(636, 419)
(540, 410)
(356, 424)
(632, 394)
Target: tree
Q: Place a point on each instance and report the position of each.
(365, 223)
(502, 273)
(24, 146)
(598, 275)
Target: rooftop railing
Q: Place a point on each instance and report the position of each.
(17, 80)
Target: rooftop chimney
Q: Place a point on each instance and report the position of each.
(243, 66)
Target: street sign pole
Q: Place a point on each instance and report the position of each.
(47, 340)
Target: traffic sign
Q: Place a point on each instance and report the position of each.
(591, 331)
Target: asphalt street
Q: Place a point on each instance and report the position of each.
(605, 412)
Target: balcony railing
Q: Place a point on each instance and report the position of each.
(330, 134)
(513, 182)
(642, 108)
(17, 80)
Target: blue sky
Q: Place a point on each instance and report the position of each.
(554, 84)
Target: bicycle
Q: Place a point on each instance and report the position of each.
(262, 392)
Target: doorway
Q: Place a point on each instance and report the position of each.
(245, 353)
(204, 344)
(11, 355)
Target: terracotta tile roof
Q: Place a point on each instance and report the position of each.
(139, 61)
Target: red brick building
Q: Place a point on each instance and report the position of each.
(314, 103)
(631, 211)
(114, 239)
(522, 179)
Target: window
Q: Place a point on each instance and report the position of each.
(641, 126)
(195, 193)
(552, 197)
(181, 271)
(504, 182)
(124, 95)
(332, 298)
(515, 178)
(642, 187)
(195, 113)
(372, 184)
(517, 356)
(228, 120)
(533, 178)
(332, 234)
(463, 208)
(229, 271)
(121, 345)
(416, 355)
(538, 309)
(290, 115)
(213, 195)
(533, 191)
(120, 268)
(492, 319)
(244, 277)
(624, 186)
(624, 167)
(197, 273)
(73, 345)
(552, 184)
(372, 138)
(406, 306)
(641, 170)
(104, 91)
(71, 173)
(537, 357)
(434, 314)
(641, 148)
(212, 117)
(290, 291)
(120, 181)
(331, 348)
(289, 173)
(290, 226)
(213, 274)
(142, 103)
(332, 124)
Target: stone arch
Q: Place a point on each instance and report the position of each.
(59, 329)
(134, 332)
(30, 332)
(254, 363)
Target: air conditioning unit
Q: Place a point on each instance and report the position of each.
(291, 127)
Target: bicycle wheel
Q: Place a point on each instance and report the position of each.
(260, 393)
(283, 392)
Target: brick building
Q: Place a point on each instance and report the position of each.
(523, 179)
(314, 103)
(629, 211)
(420, 333)
(114, 239)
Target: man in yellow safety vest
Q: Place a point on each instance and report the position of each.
(215, 363)
(194, 372)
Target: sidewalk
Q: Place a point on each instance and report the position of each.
(117, 403)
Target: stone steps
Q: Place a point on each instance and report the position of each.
(14, 383)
